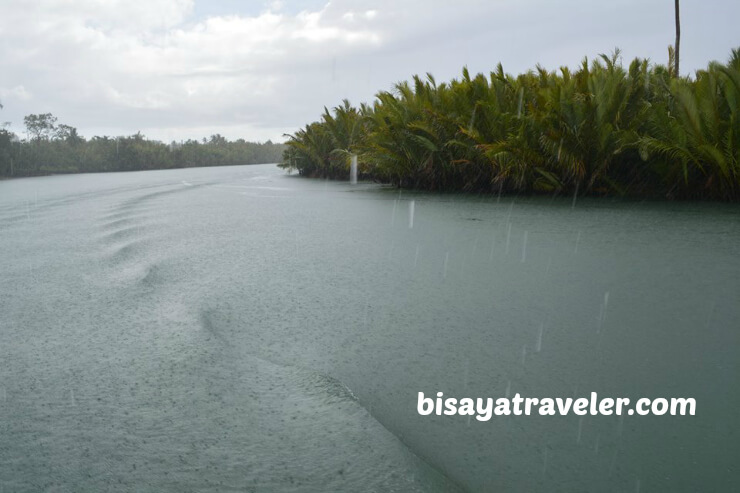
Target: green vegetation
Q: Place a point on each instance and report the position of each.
(57, 148)
(602, 129)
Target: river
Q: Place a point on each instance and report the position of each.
(240, 329)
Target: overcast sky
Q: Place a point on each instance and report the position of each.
(179, 69)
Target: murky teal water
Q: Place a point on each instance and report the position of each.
(237, 329)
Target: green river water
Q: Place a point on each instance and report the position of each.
(239, 329)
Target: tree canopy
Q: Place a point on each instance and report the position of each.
(58, 148)
(602, 129)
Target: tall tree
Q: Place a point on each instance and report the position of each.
(40, 126)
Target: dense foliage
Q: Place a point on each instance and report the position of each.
(52, 148)
(602, 129)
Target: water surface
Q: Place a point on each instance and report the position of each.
(239, 329)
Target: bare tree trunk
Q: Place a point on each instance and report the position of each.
(678, 36)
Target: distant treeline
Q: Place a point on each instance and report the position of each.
(602, 129)
(52, 148)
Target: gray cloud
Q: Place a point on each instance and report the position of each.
(176, 69)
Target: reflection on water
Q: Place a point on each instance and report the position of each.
(237, 328)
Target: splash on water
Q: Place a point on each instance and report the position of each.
(353, 170)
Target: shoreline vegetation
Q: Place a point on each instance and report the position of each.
(57, 149)
(601, 130)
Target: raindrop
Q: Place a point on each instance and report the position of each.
(444, 270)
(508, 238)
(613, 463)
(539, 338)
(524, 248)
(544, 461)
(575, 195)
(711, 312)
(472, 119)
(560, 149)
(578, 239)
(602, 315)
(508, 389)
(416, 255)
(393, 215)
(412, 205)
(521, 100)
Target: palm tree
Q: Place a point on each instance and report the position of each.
(695, 133)
(602, 128)
(345, 128)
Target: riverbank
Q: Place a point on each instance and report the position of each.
(52, 153)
